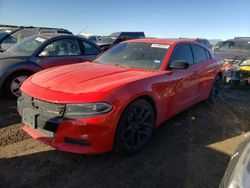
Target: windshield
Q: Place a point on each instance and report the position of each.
(136, 55)
(3, 34)
(234, 46)
(107, 40)
(28, 46)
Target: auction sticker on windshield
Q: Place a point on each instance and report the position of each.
(166, 46)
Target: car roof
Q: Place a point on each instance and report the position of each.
(51, 35)
(170, 41)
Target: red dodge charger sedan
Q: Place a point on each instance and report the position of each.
(117, 100)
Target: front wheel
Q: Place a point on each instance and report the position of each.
(135, 127)
(13, 84)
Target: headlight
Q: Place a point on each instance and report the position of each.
(241, 174)
(86, 109)
(245, 63)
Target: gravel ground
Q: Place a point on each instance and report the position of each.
(177, 156)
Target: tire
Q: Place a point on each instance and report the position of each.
(214, 93)
(13, 83)
(135, 127)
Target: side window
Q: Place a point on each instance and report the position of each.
(89, 49)
(182, 52)
(199, 54)
(225, 45)
(63, 47)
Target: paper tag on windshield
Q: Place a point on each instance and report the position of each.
(165, 46)
(40, 39)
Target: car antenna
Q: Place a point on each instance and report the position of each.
(83, 29)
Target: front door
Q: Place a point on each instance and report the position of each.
(60, 52)
(185, 80)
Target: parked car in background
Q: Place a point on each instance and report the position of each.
(9, 30)
(116, 101)
(92, 37)
(40, 52)
(205, 42)
(118, 37)
(202, 41)
(236, 55)
(238, 174)
(217, 45)
(4, 27)
(12, 36)
(5, 33)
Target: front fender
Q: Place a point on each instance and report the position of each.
(12, 66)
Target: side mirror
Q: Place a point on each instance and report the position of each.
(179, 64)
(43, 54)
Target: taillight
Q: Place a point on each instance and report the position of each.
(228, 66)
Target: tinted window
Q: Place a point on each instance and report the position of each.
(235, 45)
(199, 54)
(208, 54)
(63, 47)
(9, 39)
(182, 52)
(89, 49)
(3, 34)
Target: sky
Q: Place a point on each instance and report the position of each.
(212, 19)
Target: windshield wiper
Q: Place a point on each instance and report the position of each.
(96, 62)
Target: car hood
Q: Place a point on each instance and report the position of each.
(87, 77)
(6, 56)
(233, 54)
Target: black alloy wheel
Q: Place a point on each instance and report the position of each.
(135, 127)
(215, 91)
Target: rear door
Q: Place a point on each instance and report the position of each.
(204, 61)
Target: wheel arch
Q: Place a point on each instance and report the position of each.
(25, 71)
(149, 99)
(146, 97)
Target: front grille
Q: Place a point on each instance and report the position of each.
(54, 109)
(40, 114)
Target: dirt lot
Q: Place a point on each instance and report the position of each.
(190, 150)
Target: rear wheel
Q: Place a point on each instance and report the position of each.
(135, 127)
(13, 84)
(214, 93)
